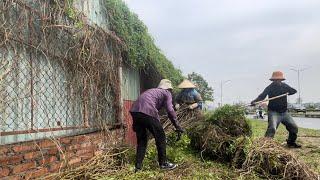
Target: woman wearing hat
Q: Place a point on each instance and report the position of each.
(278, 108)
(145, 117)
(189, 94)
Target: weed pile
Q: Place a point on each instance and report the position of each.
(225, 135)
(232, 120)
(222, 136)
(230, 143)
(270, 160)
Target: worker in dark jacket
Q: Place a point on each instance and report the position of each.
(145, 117)
(277, 108)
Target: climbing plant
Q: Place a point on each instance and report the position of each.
(142, 53)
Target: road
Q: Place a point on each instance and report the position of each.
(312, 123)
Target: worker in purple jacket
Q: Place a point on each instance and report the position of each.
(145, 117)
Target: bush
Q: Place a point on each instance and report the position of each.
(228, 112)
(232, 120)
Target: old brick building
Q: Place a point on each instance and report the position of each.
(63, 81)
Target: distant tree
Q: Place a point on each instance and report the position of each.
(204, 89)
(310, 106)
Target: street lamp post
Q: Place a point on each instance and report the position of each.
(221, 87)
(299, 70)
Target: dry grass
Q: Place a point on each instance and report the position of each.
(185, 116)
(271, 160)
(101, 165)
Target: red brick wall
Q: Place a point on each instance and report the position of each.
(37, 158)
(130, 134)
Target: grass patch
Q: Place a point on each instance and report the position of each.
(192, 166)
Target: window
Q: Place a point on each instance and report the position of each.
(48, 95)
(37, 98)
(130, 84)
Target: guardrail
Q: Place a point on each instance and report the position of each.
(306, 113)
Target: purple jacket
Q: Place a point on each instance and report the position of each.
(152, 100)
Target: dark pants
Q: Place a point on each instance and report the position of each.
(142, 123)
(260, 115)
(275, 118)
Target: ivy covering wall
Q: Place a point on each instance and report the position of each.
(142, 53)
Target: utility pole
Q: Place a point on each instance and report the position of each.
(221, 88)
(298, 71)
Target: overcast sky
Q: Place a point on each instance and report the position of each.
(238, 40)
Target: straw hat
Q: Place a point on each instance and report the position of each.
(165, 84)
(277, 75)
(186, 84)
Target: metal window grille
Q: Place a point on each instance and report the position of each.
(49, 80)
(36, 95)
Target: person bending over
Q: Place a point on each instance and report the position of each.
(145, 117)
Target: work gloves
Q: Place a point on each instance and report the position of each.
(179, 132)
(176, 125)
(179, 129)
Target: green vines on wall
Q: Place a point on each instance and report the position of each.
(141, 49)
(73, 14)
